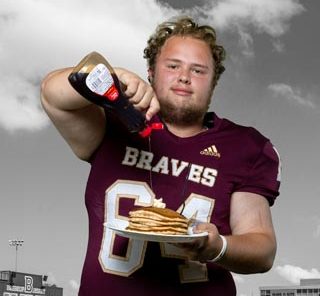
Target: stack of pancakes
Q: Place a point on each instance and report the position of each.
(157, 220)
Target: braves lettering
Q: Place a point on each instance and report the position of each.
(143, 159)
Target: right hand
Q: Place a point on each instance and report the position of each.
(203, 249)
(139, 92)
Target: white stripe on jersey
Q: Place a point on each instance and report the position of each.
(279, 165)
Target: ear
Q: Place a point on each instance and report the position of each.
(150, 76)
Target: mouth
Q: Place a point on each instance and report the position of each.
(182, 91)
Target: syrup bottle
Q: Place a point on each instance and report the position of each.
(96, 80)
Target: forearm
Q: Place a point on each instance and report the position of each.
(249, 253)
(58, 92)
(81, 123)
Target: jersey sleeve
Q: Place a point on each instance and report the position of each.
(264, 177)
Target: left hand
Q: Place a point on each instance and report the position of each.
(139, 92)
(204, 248)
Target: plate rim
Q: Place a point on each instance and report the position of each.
(157, 237)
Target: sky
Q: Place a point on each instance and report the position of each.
(271, 82)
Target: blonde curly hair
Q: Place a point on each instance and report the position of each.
(185, 26)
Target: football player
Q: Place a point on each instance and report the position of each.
(222, 175)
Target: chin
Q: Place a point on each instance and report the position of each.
(182, 117)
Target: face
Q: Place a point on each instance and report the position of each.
(182, 80)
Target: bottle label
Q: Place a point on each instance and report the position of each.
(100, 81)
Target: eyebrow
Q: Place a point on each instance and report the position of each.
(193, 64)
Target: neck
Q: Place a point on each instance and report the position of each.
(186, 131)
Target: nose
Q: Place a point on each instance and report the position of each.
(184, 77)
(184, 80)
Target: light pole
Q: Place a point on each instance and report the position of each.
(16, 243)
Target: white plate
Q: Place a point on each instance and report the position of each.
(154, 237)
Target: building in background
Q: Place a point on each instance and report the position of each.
(24, 284)
(307, 287)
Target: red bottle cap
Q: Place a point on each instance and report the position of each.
(148, 130)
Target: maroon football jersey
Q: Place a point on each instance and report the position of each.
(196, 175)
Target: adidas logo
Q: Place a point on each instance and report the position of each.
(211, 151)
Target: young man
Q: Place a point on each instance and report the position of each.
(221, 174)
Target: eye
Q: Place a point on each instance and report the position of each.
(172, 66)
(198, 71)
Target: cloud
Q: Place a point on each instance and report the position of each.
(51, 279)
(293, 274)
(268, 16)
(39, 36)
(278, 45)
(283, 90)
(238, 279)
(247, 17)
(246, 42)
(18, 107)
(74, 285)
(70, 288)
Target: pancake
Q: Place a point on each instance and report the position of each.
(157, 220)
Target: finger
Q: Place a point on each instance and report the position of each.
(204, 227)
(146, 100)
(153, 109)
(142, 98)
(192, 246)
(132, 85)
(131, 90)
